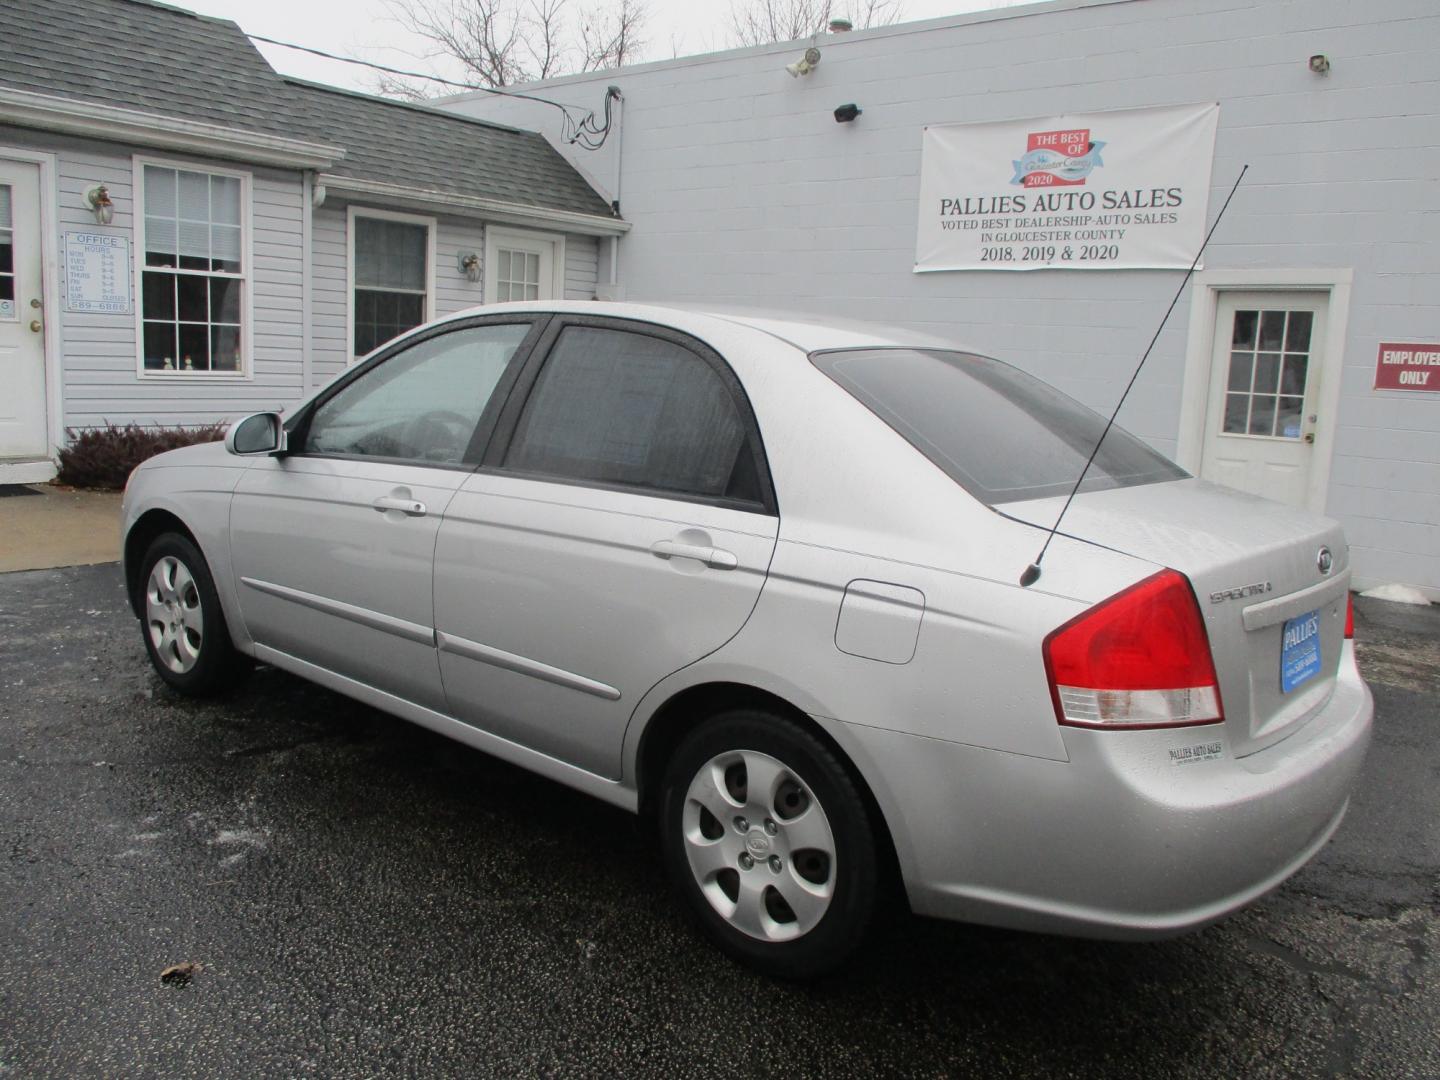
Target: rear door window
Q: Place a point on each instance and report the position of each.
(1002, 435)
(619, 408)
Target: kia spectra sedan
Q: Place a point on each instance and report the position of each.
(760, 580)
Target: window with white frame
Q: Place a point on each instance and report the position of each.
(195, 275)
(391, 265)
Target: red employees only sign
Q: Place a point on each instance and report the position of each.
(1407, 366)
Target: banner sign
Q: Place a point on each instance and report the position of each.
(1101, 191)
(1407, 366)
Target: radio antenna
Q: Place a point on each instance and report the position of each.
(1032, 572)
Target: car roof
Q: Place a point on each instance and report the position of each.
(807, 332)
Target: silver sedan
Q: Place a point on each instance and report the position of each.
(759, 579)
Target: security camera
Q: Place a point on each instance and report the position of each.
(805, 64)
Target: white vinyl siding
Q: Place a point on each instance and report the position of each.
(98, 351)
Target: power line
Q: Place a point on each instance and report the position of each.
(583, 132)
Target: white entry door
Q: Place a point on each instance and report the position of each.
(1264, 395)
(22, 321)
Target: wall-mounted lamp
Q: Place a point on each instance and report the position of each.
(845, 113)
(1320, 64)
(805, 64)
(469, 263)
(100, 205)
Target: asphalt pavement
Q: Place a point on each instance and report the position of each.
(362, 898)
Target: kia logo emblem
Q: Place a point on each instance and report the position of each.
(1325, 561)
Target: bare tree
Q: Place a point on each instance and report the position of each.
(759, 22)
(506, 42)
(612, 38)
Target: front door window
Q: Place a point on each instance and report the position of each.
(1269, 362)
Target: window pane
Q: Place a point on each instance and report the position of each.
(532, 268)
(1297, 335)
(390, 254)
(1272, 329)
(1288, 419)
(1237, 413)
(622, 408)
(225, 348)
(192, 297)
(1293, 379)
(195, 244)
(194, 197)
(159, 191)
(423, 403)
(161, 241)
(224, 300)
(1262, 415)
(194, 348)
(380, 316)
(160, 346)
(1240, 365)
(225, 200)
(158, 299)
(999, 433)
(1244, 336)
(225, 248)
(1267, 373)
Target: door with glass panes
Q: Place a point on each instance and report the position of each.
(1265, 392)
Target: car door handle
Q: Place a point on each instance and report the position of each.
(410, 507)
(713, 557)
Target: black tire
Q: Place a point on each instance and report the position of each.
(853, 876)
(216, 666)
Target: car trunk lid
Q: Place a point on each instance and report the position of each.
(1275, 619)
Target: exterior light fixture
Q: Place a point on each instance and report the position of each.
(469, 263)
(1320, 64)
(805, 64)
(100, 205)
(846, 113)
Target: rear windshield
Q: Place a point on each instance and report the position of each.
(1002, 435)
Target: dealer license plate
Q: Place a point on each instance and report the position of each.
(1300, 650)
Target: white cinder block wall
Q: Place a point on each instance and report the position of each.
(744, 190)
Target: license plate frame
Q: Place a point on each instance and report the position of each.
(1299, 650)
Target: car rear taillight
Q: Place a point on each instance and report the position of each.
(1349, 616)
(1139, 659)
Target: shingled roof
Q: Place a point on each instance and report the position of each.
(421, 147)
(153, 58)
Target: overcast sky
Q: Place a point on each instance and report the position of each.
(366, 30)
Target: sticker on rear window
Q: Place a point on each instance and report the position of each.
(1300, 650)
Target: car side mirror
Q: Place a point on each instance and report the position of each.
(262, 433)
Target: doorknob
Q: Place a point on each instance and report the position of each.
(409, 507)
(713, 557)
(35, 325)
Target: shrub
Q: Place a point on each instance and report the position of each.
(103, 457)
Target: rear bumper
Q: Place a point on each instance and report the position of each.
(1140, 834)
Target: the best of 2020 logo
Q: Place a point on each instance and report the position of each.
(1054, 158)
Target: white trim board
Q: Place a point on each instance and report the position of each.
(1199, 350)
(474, 206)
(51, 309)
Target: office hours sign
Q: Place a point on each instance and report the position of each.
(1094, 191)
